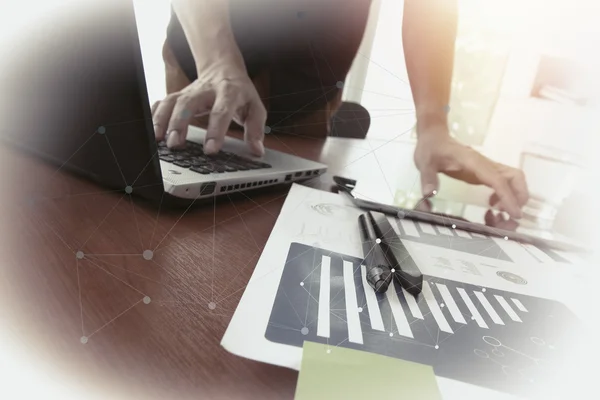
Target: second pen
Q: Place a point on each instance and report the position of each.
(379, 273)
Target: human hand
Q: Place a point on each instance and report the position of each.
(437, 152)
(498, 220)
(224, 90)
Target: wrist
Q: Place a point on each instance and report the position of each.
(224, 53)
(432, 124)
(207, 29)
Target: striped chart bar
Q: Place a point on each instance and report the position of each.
(474, 312)
(511, 313)
(394, 225)
(570, 257)
(409, 228)
(412, 304)
(323, 311)
(427, 228)
(449, 301)
(537, 253)
(397, 311)
(519, 305)
(463, 234)
(352, 317)
(488, 307)
(514, 250)
(372, 303)
(444, 230)
(435, 309)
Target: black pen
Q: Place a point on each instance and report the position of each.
(379, 274)
(405, 269)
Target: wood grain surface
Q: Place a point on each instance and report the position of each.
(148, 329)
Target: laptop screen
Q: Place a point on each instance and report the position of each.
(74, 93)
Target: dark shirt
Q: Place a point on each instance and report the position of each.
(306, 46)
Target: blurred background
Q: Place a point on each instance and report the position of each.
(524, 92)
(510, 55)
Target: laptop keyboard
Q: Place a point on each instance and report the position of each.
(192, 156)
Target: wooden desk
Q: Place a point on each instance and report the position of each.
(51, 297)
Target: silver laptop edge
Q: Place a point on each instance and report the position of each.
(285, 168)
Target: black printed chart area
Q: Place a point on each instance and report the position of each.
(491, 338)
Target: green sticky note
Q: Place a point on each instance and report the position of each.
(329, 372)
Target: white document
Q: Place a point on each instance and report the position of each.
(309, 216)
(455, 298)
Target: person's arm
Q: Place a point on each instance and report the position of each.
(222, 89)
(429, 33)
(208, 31)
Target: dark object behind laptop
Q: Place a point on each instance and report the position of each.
(69, 96)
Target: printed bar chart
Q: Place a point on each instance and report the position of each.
(323, 297)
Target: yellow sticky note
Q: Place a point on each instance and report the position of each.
(329, 372)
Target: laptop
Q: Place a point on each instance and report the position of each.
(74, 93)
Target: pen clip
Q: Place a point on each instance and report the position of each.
(345, 184)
